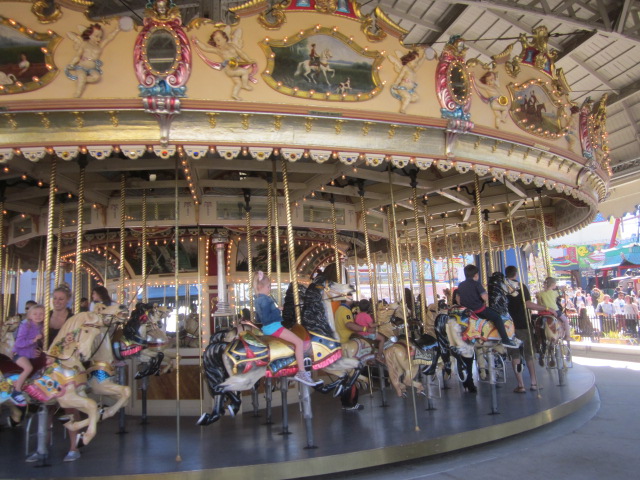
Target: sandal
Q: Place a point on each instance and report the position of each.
(535, 387)
(519, 390)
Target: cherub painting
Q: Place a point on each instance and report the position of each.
(238, 66)
(489, 90)
(86, 66)
(405, 85)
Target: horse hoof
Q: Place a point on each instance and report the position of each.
(203, 420)
(232, 412)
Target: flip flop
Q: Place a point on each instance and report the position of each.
(519, 390)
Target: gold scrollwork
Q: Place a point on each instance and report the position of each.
(40, 9)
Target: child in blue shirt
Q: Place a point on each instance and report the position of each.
(271, 319)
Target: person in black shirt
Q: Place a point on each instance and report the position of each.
(519, 317)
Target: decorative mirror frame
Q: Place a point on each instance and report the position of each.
(466, 77)
(172, 81)
(52, 39)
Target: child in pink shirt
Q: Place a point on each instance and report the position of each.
(365, 320)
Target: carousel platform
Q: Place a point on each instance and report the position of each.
(245, 448)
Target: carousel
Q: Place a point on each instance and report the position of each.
(171, 162)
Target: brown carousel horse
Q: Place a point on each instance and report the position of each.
(236, 365)
(404, 364)
(63, 380)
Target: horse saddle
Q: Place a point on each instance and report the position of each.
(277, 355)
(53, 382)
(9, 367)
(475, 328)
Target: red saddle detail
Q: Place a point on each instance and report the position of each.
(9, 367)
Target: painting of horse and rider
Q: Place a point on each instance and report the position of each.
(322, 65)
(534, 109)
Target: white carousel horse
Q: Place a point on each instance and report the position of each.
(312, 72)
(63, 380)
(237, 365)
(101, 375)
(461, 333)
(549, 335)
(7, 334)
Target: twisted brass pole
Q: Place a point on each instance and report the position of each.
(423, 293)
(504, 248)
(427, 223)
(276, 233)
(269, 232)
(145, 273)
(247, 209)
(545, 245)
(404, 306)
(356, 269)
(335, 239)
(374, 296)
(483, 266)
(123, 194)
(392, 253)
(491, 259)
(448, 252)
(77, 284)
(176, 280)
(56, 274)
(290, 243)
(49, 249)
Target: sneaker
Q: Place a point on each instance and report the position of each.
(357, 406)
(510, 344)
(34, 457)
(305, 377)
(72, 456)
(18, 399)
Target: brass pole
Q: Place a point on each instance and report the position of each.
(448, 252)
(145, 273)
(490, 249)
(123, 194)
(367, 247)
(276, 233)
(247, 209)
(423, 292)
(269, 225)
(392, 253)
(176, 279)
(545, 245)
(504, 248)
(335, 239)
(77, 284)
(17, 281)
(404, 306)
(290, 243)
(49, 249)
(427, 223)
(356, 269)
(483, 262)
(56, 273)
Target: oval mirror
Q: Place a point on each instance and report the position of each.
(458, 83)
(162, 52)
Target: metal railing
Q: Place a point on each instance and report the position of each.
(600, 325)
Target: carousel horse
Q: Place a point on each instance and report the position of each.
(189, 331)
(236, 365)
(461, 333)
(7, 334)
(404, 364)
(63, 380)
(549, 335)
(101, 374)
(143, 336)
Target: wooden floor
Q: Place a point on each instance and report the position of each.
(244, 447)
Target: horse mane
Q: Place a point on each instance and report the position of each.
(288, 309)
(132, 327)
(497, 293)
(314, 317)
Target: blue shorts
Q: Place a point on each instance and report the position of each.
(271, 328)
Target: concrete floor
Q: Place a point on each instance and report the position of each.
(601, 441)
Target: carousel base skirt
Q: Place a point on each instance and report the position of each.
(245, 447)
